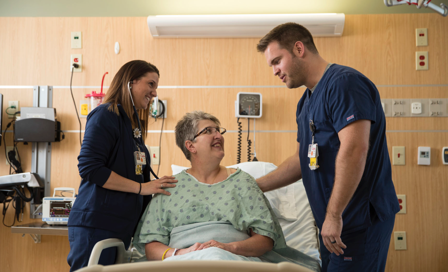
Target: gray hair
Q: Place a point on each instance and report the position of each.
(187, 128)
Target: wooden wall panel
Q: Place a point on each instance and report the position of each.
(36, 51)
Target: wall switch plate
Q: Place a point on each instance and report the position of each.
(76, 58)
(154, 152)
(398, 155)
(421, 60)
(402, 202)
(76, 40)
(421, 37)
(424, 155)
(13, 108)
(400, 240)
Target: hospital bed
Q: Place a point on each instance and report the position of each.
(290, 205)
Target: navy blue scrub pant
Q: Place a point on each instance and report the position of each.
(82, 240)
(366, 249)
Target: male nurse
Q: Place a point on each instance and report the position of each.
(341, 154)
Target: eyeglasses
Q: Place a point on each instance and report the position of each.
(210, 131)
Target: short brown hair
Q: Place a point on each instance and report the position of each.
(118, 92)
(287, 35)
(187, 128)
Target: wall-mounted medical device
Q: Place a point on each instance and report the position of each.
(56, 209)
(445, 155)
(37, 124)
(424, 155)
(29, 179)
(248, 105)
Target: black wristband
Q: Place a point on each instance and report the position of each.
(139, 191)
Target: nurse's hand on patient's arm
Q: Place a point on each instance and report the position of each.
(331, 232)
(118, 183)
(157, 186)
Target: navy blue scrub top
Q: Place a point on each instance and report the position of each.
(343, 96)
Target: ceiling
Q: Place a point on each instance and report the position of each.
(143, 8)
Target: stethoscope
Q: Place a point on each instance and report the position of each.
(140, 126)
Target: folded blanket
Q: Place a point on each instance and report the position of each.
(186, 236)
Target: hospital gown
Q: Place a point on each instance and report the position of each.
(237, 200)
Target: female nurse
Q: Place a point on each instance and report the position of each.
(114, 166)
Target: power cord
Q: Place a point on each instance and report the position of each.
(75, 65)
(238, 151)
(249, 142)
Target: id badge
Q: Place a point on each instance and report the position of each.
(139, 158)
(313, 154)
(138, 169)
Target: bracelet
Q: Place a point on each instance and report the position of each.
(164, 253)
(139, 191)
(174, 253)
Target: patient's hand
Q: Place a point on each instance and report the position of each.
(213, 243)
(194, 247)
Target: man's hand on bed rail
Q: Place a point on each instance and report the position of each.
(331, 234)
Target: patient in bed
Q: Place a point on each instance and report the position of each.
(213, 213)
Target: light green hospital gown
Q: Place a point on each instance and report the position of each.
(237, 200)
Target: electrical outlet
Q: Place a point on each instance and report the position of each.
(76, 58)
(421, 60)
(76, 40)
(13, 108)
(402, 202)
(400, 240)
(9, 148)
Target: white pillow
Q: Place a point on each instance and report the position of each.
(290, 205)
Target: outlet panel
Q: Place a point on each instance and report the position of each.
(419, 107)
(400, 240)
(76, 58)
(402, 202)
(13, 108)
(421, 60)
(398, 155)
